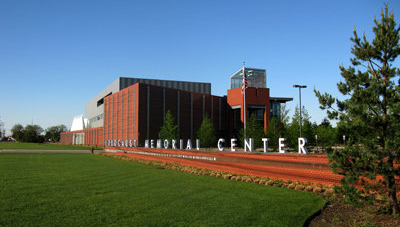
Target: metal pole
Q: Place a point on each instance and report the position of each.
(244, 100)
(301, 120)
(301, 117)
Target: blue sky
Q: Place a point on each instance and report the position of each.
(56, 55)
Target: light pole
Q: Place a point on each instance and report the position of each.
(300, 87)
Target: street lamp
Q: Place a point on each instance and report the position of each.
(300, 87)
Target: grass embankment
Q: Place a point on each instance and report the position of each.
(40, 146)
(93, 190)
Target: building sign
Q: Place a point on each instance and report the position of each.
(182, 145)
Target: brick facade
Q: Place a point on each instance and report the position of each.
(137, 113)
(254, 96)
(91, 136)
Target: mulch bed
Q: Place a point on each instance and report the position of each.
(338, 214)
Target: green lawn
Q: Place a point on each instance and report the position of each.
(40, 146)
(94, 190)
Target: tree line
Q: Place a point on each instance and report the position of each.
(35, 134)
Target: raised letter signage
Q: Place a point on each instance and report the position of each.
(189, 144)
(220, 147)
(302, 143)
(174, 144)
(233, 144)
(248, 145)
(281, 145)
(166, 144)
(181, 144)
(265, 142)
(197, 144)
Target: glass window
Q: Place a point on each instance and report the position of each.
(276, 110)
(255, 78)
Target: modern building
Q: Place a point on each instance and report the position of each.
(134, 108)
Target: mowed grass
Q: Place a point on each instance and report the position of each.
(94, 190)
(40, 146)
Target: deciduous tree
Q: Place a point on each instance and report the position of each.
(17, 132)
(53, 133)
(33, 134)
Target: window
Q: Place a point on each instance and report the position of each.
(101, 101)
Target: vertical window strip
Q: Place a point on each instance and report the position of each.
(127, 114)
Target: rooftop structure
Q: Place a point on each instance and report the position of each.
(255, 78)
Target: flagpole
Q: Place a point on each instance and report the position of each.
(244, 100)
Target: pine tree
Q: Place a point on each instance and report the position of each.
(253, 130)
(372, 112)
(206, 133)
(275, 131)
(277, 127)
(284, 115)
(169, 130)
(326, 134)
(293, 132)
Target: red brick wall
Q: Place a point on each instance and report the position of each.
(93, 136)
(254, 96)
(160, 100)
(120, 115)
(66, 138)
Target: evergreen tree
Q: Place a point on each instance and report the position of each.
(277, 127)
(169, 130)
(284, 115)
(307, 129)
(206, 133)
(343, 129)
(275, 131)
(326, 134)
(372, 112)
(253, 130)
